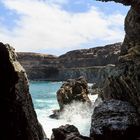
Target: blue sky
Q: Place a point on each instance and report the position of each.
(57, 26)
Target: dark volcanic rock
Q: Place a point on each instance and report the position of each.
(73, 90)
(89, 63)
(67, 132)
(18, 118)
(131, 45)
(115, 120)
(126, 86)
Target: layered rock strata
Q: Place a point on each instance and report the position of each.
(94, 64)
(18, 118)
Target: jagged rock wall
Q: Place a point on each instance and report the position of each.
(87, 62)
(123, 87)
(115, 120)
(18, 118)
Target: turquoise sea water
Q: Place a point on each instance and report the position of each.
(44, 99)
(44, 94)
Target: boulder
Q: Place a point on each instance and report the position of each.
(67, 132)
(73, 90)
(18, 117)
(115, 120)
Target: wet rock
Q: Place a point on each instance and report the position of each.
(67, 132)
(94, 89)
(73, 90)
(115, 120)
(56, 114)
(18, 118)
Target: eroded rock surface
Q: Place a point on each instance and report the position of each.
(126, 84)
(115, 120)
(67, 132)
(73, 90)
(90, 63)
(18, 118)
(125, 87)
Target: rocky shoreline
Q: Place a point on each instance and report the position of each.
(117, 117)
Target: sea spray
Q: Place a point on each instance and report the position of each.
(78, 114)
(44, 98)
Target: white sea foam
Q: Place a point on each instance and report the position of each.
(93, 97)
(90, 84)
(44, 98)
(77, 113)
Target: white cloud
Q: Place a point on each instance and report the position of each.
(45, 26)
(57, 1)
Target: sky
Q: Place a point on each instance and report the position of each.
(58, 26)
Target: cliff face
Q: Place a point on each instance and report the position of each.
(87, 62)
(99, 56)
(125, 86)
(123, 90)
(95, 74)
(39, 66)
(18, 118)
